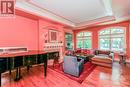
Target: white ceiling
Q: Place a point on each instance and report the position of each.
(121, 8)
(78, 13)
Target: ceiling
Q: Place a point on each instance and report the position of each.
(78, 13)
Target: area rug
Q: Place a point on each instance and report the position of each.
(88, 68)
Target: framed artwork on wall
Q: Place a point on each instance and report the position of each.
(53, 36)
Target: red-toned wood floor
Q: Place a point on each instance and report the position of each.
(118, 76)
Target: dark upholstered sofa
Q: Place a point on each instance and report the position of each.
(105, 53)
(103, 58)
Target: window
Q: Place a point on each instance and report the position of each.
(84, 40)
(112, 39)
(68, 38)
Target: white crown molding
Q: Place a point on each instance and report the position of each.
(22, 4)
(28, 7)
(108, 7)
(95, 22)
(123, 18)
(108, 17)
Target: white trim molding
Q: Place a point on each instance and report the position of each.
(25, 6)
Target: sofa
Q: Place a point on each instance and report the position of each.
(85, 54)
(72, 65)
(82, 51)
(103, 58)
(104, 53)
(69, 52)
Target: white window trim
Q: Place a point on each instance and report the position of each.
(83, 39)
(125, 45)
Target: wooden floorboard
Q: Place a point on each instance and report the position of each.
(118, 76)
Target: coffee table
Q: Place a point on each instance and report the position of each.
(86, 57)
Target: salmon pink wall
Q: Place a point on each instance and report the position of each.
(28, 30)
(44, 28)
(95, 30)
(19, 32)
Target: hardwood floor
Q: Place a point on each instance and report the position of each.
(118, 76)
(36, 79)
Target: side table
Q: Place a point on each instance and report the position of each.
(122, 58)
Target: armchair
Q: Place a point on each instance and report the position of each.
(72, 66)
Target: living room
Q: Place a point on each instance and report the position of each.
(67, 43)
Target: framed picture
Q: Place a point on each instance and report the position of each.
(53, 36)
